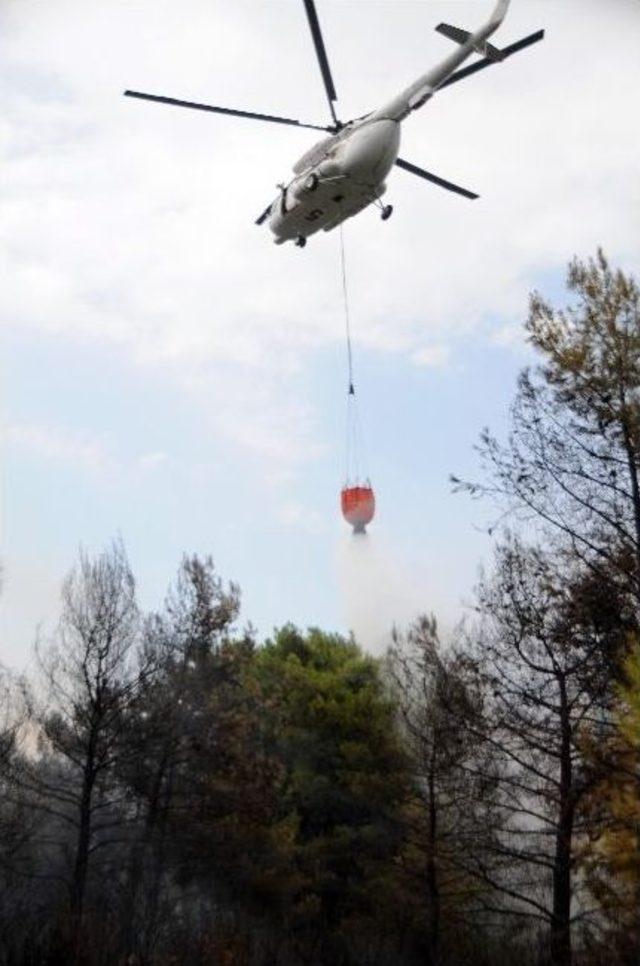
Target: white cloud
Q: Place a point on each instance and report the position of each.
(93, 456)
(296, 515)
(131, 224)
(432, 356)
(510, 336)
(60, 446)
(149, 461)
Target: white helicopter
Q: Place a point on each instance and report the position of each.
(344, 173)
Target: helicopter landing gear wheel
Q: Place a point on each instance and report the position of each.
(301, 241)
(311, 183)
(387, 211)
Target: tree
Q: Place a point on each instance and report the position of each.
(569, 473)
(572, 461)
(18, 898)
(90, 682)
(199, 774)
(612, 859)
(11, 723)
(343, 787)
(441, 705)
(543, 639)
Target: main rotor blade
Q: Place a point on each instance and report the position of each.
(265, 214)
(449, 185)
(488, 62)
(316, 33)
(224, 110)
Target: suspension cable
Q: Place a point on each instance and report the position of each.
(355, 457)
(345, 296)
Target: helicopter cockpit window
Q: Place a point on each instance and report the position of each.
(314, 154)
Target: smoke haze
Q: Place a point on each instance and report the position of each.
(378, 591)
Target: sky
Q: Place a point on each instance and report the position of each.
(172, 377)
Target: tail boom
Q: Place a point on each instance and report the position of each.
(461, 37)
(468, 43)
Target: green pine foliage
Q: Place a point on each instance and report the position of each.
(345, 779)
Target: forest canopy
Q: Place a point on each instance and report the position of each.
(175, 791)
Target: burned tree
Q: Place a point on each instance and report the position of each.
(189, 734)
(557, 623)
(88, 683)
(545, 643)
(440, 701)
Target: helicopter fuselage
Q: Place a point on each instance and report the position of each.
(336, 179)
(345, 172)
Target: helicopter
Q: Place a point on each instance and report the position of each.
(345, 172)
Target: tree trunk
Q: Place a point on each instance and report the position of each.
(83, 843)
(433, 890)
(635, 496)
(560, 940)
(138, 863)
